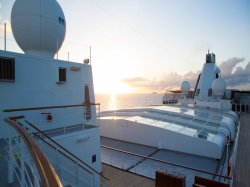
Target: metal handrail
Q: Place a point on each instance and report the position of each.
(50, 107)
(49, 144)
(44, 134)
(165, 162)
(235, 151)
(46, 171)
(68, 152)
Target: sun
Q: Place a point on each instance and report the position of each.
(113, 87)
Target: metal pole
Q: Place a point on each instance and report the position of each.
(68, 56)
(5, 36)
(57, 48)
(22, 169)
(90, 54)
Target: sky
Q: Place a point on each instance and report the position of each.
(153, 45)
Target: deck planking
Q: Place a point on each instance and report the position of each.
(121, 178)
(242, 167)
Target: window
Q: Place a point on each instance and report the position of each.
(7, 69)
(61, 21)
(62, 75)
(209, 93)
(93, 158)
(197, 92)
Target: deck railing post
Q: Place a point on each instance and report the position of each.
(11, 162)
(150, 167)
(22, 163)
(36, 175)
(77, 173)
(93, 178)
(58, 163)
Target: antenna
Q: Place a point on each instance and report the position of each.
(57, 48)
(5, 36)
(208, 51)
(90, 54)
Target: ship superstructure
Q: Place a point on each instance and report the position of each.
(51, 99)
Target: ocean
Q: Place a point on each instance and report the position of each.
(119, 101)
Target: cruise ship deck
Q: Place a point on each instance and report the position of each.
(242, 165)
(119, 163)
(145, 161)
(172, 127)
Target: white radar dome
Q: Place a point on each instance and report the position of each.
(185, 87)
(38, 26)
(219, 87)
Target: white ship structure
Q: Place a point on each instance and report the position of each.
(49, 135)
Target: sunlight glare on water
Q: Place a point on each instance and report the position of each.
(112, 102)
(120, 101)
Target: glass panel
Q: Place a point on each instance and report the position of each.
(189, 131)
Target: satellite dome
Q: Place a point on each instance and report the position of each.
(38, 26)
(185, 87)
(219, 87)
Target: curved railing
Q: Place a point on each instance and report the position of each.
(46, 171)
(48, 145)
(65, 150)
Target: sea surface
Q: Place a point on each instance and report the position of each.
(119, 101)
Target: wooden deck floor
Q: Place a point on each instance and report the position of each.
(120, 178)
(242, 167)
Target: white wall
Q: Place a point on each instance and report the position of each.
(152, 136)
(208, 75)
(36, 86)
(84, 150)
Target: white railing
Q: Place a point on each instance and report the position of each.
(69, 171)
(20, 164)
(239, 107)
(69, 168)
(57, 118)
(27, 164)
(234, 154)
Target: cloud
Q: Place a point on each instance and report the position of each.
(234, 74)
(167, 81)
(227, 67)
(232, 71)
